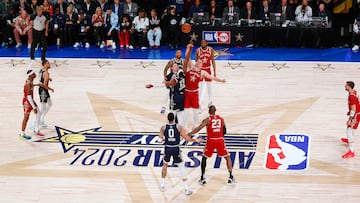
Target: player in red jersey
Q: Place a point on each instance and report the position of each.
(28, 102)
(193, 75)
(354, 118)
(206, 55)
(215, 128)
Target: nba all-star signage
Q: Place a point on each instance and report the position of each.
(118, 148)
(217, 37)
(287, 152)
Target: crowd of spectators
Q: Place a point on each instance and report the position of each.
(138, 23)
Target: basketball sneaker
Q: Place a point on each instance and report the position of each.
(188, 192)
(345, 140)
(163, 109)
(162, 188)
(202, 181)
(24, 137)
(43, 125)
(231, 180)
(38, 133)
(348, 154)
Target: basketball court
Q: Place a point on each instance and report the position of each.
(77, 161)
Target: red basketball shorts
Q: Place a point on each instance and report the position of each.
(191, 99)
(215, 144)
(355, 121)
(27, 106)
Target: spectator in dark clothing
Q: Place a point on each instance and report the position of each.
(171, 27)
(57, 24)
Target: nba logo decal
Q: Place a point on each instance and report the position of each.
(287, 152)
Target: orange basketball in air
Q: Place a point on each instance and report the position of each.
(186, 28)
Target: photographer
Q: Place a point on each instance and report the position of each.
(356, 34)
(303, 13)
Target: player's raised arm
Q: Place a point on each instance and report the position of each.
(201, 126)
(167, 67)
(187, 61)
(205, 74)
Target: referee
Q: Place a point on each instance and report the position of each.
(40, 32)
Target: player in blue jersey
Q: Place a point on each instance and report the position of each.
(171, 134)
(45, 100)
(178, 60)
(176, 83)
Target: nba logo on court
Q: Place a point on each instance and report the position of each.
(287, 152)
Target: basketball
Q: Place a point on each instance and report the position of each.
(186, 28)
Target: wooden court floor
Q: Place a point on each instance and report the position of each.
(263, 98)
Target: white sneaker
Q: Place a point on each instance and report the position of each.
(127, 46)
(231, 180)
(43, 125)
(188, 192)
(76, 45)
(87, 45)
(162, 110)
(29, 46)
(113, 46)
(121, 46)
(24, 137)
(102, 45)
(162, 188)
(143, 48)
(355, 48)
(131, 47)
(202, 181)
(18, 45)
